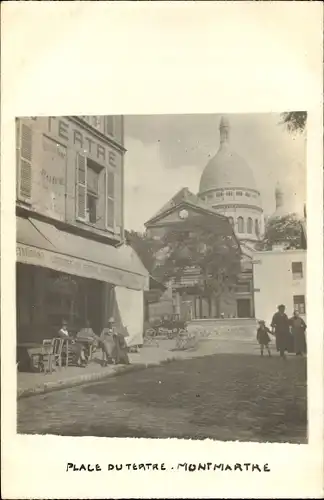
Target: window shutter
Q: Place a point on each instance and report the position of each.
(110, 199)
(81, 194)
(25, 162)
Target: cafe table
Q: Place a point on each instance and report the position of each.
(28, 355)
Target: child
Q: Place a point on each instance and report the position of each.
(263, 337)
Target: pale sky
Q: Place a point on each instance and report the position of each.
(168, 152)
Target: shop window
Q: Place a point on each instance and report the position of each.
(240, 225)
(249, 225)
(299, 304)
(297, 270)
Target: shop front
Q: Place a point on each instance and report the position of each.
(61, 276)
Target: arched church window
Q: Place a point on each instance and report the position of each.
(240, 225)
(257, 228)
(231, 221)
(249, 225)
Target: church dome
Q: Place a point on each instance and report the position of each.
(226, 169)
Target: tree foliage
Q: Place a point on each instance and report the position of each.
(214, 258)
(294, 120)
(286, 229)
(145, 248)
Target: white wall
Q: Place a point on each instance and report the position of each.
(273, 276)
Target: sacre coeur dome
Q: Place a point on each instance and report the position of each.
(226, 169)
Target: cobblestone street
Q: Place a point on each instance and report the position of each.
(224, 397)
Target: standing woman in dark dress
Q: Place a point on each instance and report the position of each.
(281, 328)
(298, 328)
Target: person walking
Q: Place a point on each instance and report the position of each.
(281, 328)
(298, 329)
(263, 337)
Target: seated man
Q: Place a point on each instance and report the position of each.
(89, 338)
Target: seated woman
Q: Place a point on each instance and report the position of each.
(76, 351)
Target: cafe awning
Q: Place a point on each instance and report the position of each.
(43, 244)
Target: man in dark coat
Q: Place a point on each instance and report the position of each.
(280, 327)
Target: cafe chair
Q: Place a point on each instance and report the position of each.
(47, 356)
(57, 352)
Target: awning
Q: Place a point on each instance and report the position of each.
(130, 314)
(42, 244)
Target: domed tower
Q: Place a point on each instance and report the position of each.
(227, 184)
(281, 210)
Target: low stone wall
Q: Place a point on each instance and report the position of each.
(233, 328)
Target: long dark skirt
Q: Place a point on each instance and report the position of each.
(299, 340)
(284, 342)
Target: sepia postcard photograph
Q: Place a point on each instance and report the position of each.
(198, 296)
(162, 250)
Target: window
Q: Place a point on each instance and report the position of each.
(219, 194)
(109, 125)
(299, 304)
(247, 195)
(249, 225)
(257, 228)
(229, 193)
(240, 225)
(110, 206)
(210, 196)
(88, 173)
(231, 221)
(239, 193)
(297, 270)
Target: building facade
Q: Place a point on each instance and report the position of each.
(71, 260)
(289, 266)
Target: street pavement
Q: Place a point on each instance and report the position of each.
(223, 396)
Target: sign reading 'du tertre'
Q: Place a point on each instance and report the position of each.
(71, 134)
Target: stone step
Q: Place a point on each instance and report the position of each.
(234, 329)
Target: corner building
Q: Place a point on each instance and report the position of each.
(71, 260)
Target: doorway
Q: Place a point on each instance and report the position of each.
(243, 308)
